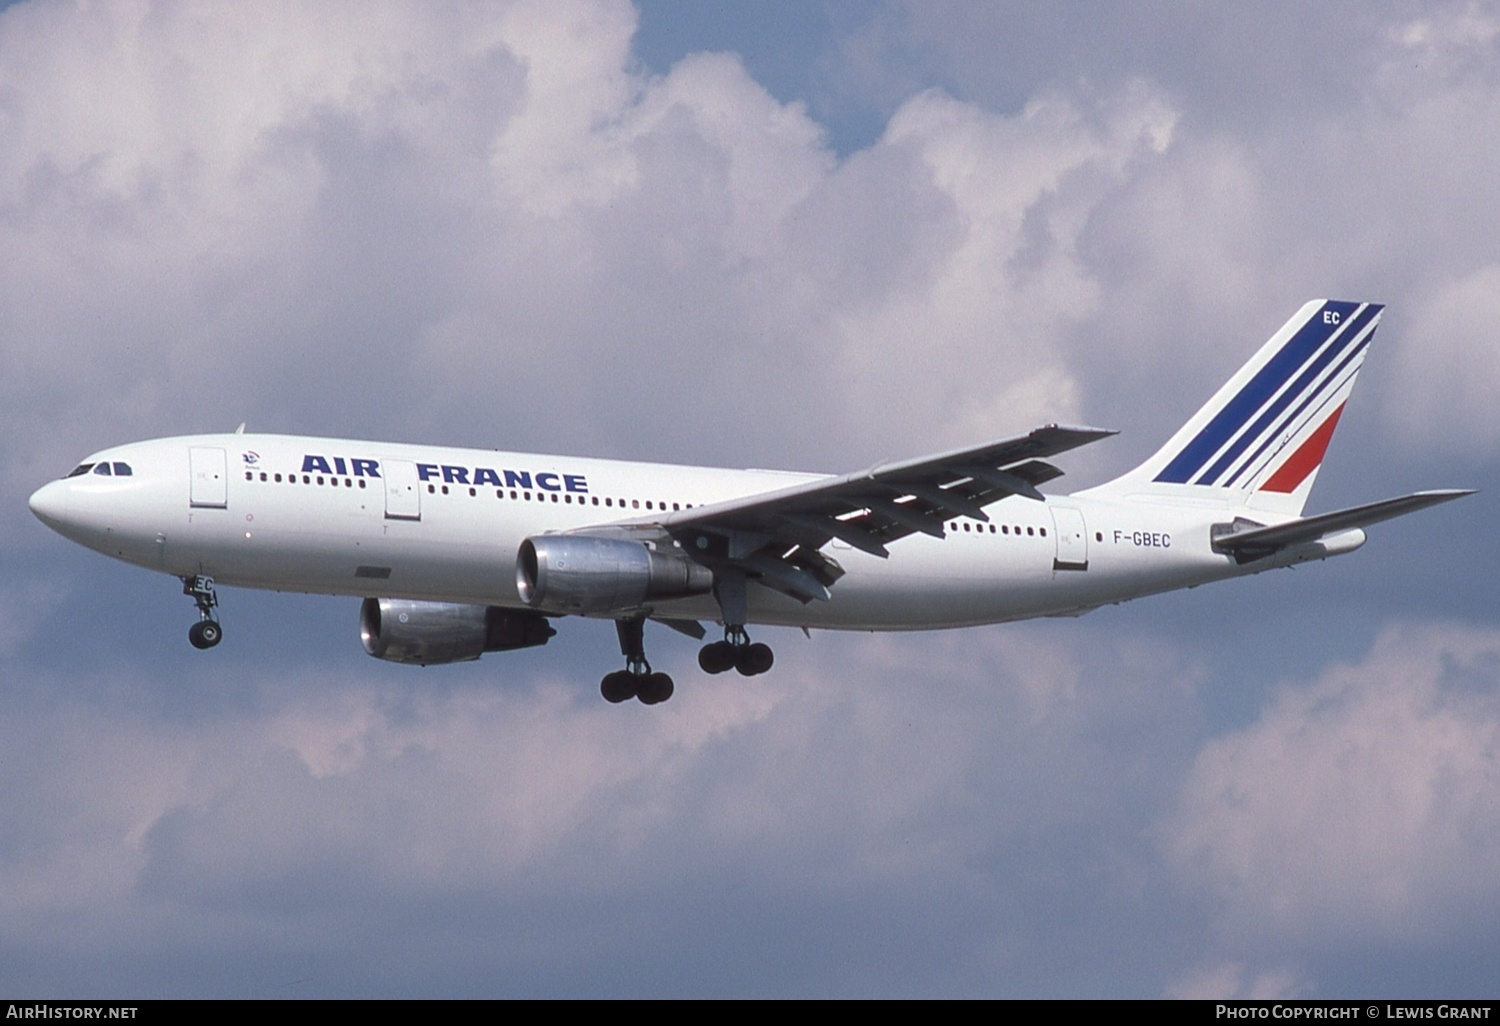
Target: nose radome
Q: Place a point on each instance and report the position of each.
(50, 503)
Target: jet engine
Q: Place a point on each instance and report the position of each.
(583, 574)
(445, 632)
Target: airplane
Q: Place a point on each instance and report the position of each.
(458, 552)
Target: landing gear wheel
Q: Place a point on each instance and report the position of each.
(716, 657)
(205, 634)
(754, 659)
(654, 689)
(618, 687)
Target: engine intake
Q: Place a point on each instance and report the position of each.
(403, 631)
(580, 574)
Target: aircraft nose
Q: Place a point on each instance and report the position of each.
(50, 504)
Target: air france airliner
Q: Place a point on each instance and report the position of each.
(458, 552)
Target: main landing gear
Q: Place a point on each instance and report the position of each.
(737, 652)
(206, 633)
(636, 680)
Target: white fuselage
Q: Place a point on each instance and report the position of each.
(440, 524)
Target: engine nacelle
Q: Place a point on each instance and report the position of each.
(445, 632)
(579, 574)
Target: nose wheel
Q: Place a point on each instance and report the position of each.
(207, 632)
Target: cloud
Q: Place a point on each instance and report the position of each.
(1451, 364)
(490, 225)
(496, 211)
(1228, 981)
(1357, 806)
(324, 815)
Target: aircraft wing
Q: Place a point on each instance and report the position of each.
(1258, 542)
(776, 537)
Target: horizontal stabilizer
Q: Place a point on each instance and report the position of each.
(1259, 542)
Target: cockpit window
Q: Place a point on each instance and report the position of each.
(122, 470)
(81, 469)
(102, 468)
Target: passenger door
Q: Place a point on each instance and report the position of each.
(208, 478)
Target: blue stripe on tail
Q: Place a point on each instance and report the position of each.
(1291, 358)
(1351, 331)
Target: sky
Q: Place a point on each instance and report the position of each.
(799, 235)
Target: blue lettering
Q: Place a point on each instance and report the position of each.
(365, 468)
(549, 482)
(426, 471)
(315, 465)
(338, 465)
(455, 475)
(575, 482)
(485, 476)
(515, 480)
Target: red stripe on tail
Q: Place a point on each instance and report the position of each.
(1305, 460)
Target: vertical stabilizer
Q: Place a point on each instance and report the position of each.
(1258, 443)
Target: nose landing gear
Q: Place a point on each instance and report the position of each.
(206, 633)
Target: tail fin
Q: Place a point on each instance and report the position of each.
(1258, 443)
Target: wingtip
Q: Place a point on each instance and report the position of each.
(1082, 429)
